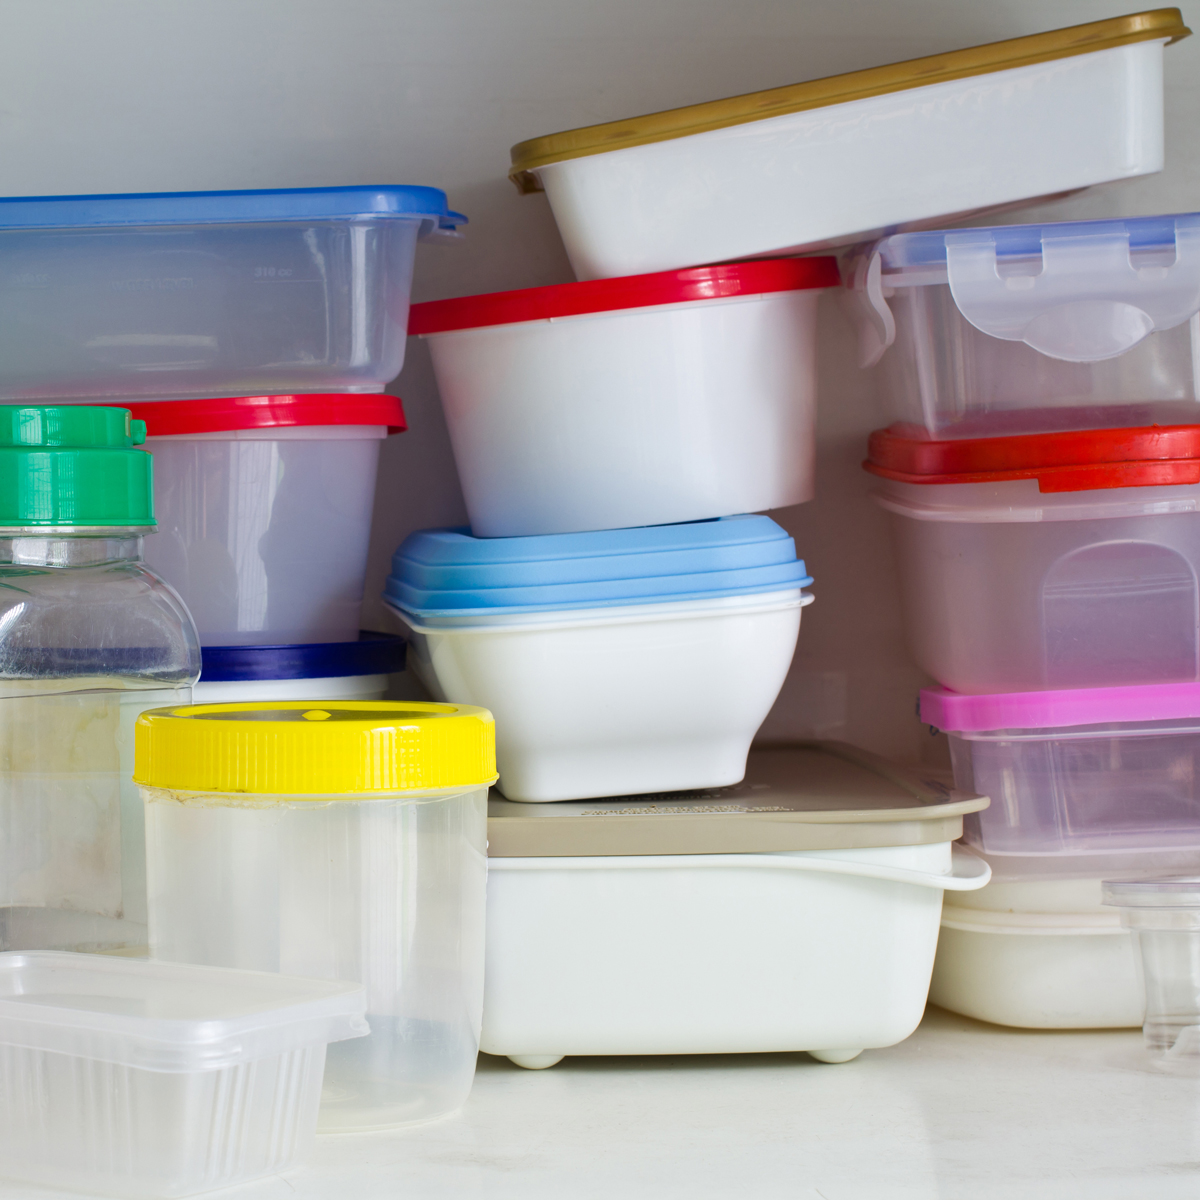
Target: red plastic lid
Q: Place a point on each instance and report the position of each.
(1076, 461)
(226, 413)
(628, 291)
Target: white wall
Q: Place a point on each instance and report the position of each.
(157, 95)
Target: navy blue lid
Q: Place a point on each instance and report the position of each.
(203, 208)
(447, 572)
(372, 654)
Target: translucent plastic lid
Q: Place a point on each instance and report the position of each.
(372, 654)
(449, 572)
(1181, 891)
(164, 1016)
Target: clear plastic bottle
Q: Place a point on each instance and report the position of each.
(89, 639)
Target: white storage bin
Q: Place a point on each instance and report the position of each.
(209, 293)
(1031, 328)
(1082, 782)
(264, 507)
(337, 840)
(155, 1079)
(635, 660)
(838, 159)
(1037, 954)
(644, 401)
(797, 911)
(1051, 561)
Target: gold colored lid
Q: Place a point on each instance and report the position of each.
(811, 796)
(839, 89)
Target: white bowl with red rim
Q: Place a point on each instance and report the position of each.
(643, 400)
(264, 510)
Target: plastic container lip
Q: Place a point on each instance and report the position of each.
(168, 418)
(752, 278)
(1164, 24)
(372, 654)
(1180, 891)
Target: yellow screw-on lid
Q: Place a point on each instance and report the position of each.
(315, 747)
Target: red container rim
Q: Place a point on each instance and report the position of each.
(1072, 461)
(221, 414)
(753, 278)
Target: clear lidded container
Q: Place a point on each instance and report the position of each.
(89, 638)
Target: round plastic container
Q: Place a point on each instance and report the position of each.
(345, 841)
(1037, 954)
(639, 401)
(89, 638)
(1082, 782)
(836, 160)
(330, 670)
(265, 511)
(1031, 328)
(630, 661)
(1064, 560)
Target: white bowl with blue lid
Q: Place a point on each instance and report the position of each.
(616, 663)
(187, 294)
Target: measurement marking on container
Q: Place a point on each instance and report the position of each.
(166, 284)
(272, 272)
(29, 279)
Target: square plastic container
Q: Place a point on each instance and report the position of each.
(1084, 782)
(1032, 328)
(845, 158)
(264, 511)
(157, 1079)
(628, 402)
(209, 293)
(796, 911)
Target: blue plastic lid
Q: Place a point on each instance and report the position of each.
(447, 572)
(372, 654)
(205, 208)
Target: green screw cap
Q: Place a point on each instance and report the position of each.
(73, 464)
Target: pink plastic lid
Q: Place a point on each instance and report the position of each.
(957, 713)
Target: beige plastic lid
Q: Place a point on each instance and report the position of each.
(812, 796)
(1158, 23)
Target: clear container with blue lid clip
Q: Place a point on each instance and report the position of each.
(617, 663)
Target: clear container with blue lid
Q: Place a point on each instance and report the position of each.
(1024, 329)
(210, 293)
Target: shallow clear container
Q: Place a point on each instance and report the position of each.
(155, 1079)
(209, 293)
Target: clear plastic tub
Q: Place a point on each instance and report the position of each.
(264, 507)
(1084, 781)
(1031, 328)
(345, 841)
(209, 293)
(153, 1079)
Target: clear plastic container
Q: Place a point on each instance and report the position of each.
(264, 507)
(89, 638)
(209, 293)
(1083, 781)
(1031, 328)
(152, 1079)
(348, 843)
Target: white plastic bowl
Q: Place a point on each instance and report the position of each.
(839, 159)
(629, 402)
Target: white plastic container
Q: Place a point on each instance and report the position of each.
(644, 401)
(154, 1079)
(337, 840)
(209, 293)
(1031, 328)
(797, 911)
(839, 159)
(1037, 954)
(1083, 782)
(636, 660)
(1066, 560)
(265, 511)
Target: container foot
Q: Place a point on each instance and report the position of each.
(832, 1056)
(537, 1062)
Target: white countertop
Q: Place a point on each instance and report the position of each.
(961, 1109)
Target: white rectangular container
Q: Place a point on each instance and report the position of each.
(796, 911)
(155, 1079)
(841, 159)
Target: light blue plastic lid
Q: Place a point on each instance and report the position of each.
(447, 572)
(249, 207)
